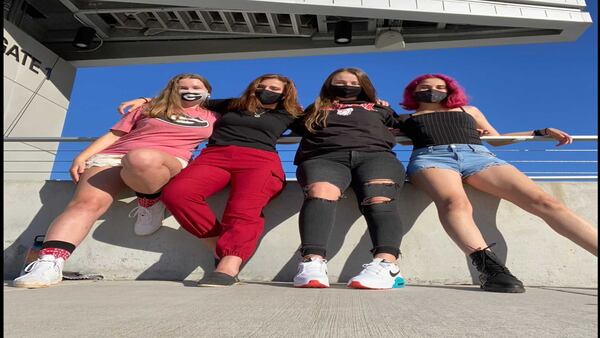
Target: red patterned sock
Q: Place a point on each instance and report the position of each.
(56, 252)
(147, 202)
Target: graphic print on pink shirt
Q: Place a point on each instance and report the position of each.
(177, 137)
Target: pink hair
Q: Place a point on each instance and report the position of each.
(456, 94)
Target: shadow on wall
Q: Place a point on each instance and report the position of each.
(485, 209)
(412, 204)
(178, 262)
(52, 199)
(175, 262)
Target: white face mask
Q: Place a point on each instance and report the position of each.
(193, 95)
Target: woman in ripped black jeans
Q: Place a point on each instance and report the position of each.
(348, 142)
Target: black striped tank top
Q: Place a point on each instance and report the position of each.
(440, 128)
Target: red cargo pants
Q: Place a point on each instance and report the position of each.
(256, 176)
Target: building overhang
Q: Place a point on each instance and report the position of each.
(166, 31)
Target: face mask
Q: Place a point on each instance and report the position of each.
(345, 91)
(267, 96)
(430, 96)
(187, 95)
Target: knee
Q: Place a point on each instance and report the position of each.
(376, 200)
(171, 193)
(178, 191)
(323, 190)
(94, 206)
(546, 203)
(381, 191)
(140, 159)
(455, 204)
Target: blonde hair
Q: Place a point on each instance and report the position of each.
(168, 103)
(250, 103)
(317, 116)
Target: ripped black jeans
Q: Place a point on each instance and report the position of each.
(358, 169)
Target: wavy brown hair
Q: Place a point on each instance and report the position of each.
(168, 102)
(317, 115)
(250, 103)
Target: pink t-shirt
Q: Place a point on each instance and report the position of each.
(178, 138)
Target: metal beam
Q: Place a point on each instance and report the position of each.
(249, 22)
(137, 18)
(322, 23)
(181, 20)
(160, 20)
(203, 20)
(295, 19)
(226, 22)
(117, 19)
(272, 23)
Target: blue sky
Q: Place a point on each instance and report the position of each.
(520, 87)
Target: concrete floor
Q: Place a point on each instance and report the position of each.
(176, 309)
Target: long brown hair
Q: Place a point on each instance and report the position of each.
(168, 103)
(250, 103)
(317, 116)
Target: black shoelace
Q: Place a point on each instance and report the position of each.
(489, 263)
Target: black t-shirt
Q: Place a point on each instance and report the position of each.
(351, 126)
(245, 129)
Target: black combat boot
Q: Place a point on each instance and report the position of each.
(494, 275)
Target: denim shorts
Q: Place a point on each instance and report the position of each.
(466, 159)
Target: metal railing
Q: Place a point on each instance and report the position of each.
(530, 154)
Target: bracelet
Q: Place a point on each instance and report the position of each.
(541, 132)
(145, 99)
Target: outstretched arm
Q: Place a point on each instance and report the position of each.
(487, 130)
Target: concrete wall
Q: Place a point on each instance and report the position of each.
(532, 250)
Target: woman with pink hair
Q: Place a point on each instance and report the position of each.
(448, 152)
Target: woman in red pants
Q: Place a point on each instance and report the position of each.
(241, 152)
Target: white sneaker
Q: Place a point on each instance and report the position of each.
(149, 220)
(378, 274)
(312, 274)
(41, 273)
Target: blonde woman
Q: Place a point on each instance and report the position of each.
(142, 151)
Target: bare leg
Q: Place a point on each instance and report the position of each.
(229, 265)
(95, 192)
(509, 183)
(446, 189)
(148, 170)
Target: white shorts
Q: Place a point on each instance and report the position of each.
(114, 160)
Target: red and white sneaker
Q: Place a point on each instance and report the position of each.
(378, 274)
(312, 273)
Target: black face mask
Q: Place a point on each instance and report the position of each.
(430, 96)
(345, 91)
(267, 96)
